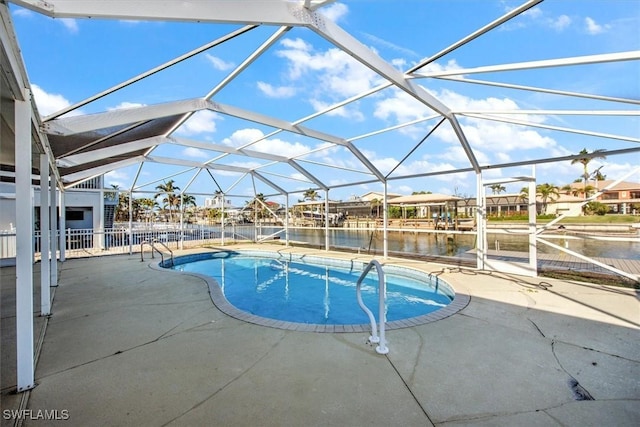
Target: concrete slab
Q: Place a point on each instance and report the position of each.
(129, 345)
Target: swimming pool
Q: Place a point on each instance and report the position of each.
(283, 289)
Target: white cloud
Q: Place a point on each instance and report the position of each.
(335, 12)
(23, 13)
(218, 63)
(560, 23)
(195, 153)
(276, 92)
(593, 27)
(70, 24)
(348, 112)
(126, 105)
(337, 73)
(272, 145)
(200, 122)
(117, 177)
(48, 103)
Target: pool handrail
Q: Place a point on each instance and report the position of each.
(382, 291)
(151, 243)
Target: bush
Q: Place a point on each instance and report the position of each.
(595, 208)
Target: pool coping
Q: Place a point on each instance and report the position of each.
(460, 301)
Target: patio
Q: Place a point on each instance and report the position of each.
(131, 345)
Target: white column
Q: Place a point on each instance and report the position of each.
(286, 220)
(131, 222)
(385, 244)
(63, 226)
(181, 221)
(481, 218)
(98, 235)
(326, 220)
(24, 246)
(45, 245)
(222, 221)
(533, 250)
(53, 220)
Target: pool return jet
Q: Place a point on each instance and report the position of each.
(382, 292)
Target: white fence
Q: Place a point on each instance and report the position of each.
(87, 242)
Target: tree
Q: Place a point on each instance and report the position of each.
(169, 198)
(148, 205)
(310, 195)
(497, 188)
(547, 192)
(585, 160)
(375, 203)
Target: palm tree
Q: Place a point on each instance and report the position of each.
(148, 206)
(547, 192)
(167, 191)
(524, 194)
(310, 195)
(375, 203)
(585, 160)
(497, 188)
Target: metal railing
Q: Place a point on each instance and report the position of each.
(152, 244)
(382, 305)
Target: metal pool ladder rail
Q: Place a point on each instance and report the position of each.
(153, 247)
(382, 291)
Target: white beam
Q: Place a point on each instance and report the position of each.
(546, 63)
(89, 122)
(100, 170)
(226, 149)
(24, 246)
(218, 11)
(194, 164)
(152, 71)
(113, 151)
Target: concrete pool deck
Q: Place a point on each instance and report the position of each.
(130, 345)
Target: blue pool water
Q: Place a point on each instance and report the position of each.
(303, 291)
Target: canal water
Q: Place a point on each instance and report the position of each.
(442, 244)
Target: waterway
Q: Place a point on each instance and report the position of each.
(457, 245)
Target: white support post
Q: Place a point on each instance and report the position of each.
(63, 227)
(286, 220)
(98, 238)
(181, 221)
(45, 235)
(533, 249)
(24, 246)
(222, 222)
(385, 216)
(326, 220)
(481, 222)
(131, 223)
(53, 220)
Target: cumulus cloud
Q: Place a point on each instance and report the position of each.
(48, 103)
(560, 23)
(334, 12)
(593, 27)
(126, 105)
(272, 145)
(276, 92)
(218, 63)
(117, 177)
(335, 71)
(70, 24)
(195, 153)
(348, 112)
(203, 121)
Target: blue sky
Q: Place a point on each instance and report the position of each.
(68, 60)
